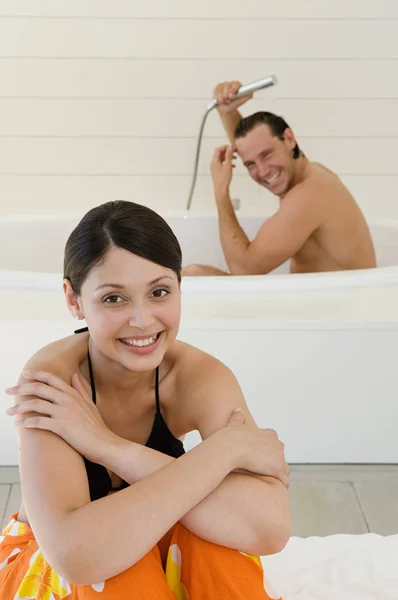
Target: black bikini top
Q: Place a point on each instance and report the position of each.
(160, 439)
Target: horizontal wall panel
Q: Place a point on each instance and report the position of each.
(115, 78)
(233, 9)
(50, 194)
(198, 39)
(181, 118)
(146, 156)
(101, 100)
(60, 194)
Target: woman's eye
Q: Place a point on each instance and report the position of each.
(113, 299)
(160, 293)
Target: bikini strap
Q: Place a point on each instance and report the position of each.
(90, 368)
(157, 390)
(92, 383)
(82, 330)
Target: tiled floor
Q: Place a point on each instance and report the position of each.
(325, 499)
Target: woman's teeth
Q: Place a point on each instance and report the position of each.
(141, 341)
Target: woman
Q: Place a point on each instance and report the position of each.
(103, 411)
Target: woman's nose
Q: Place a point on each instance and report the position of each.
(141, 317)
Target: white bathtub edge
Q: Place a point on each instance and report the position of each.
(383, 276)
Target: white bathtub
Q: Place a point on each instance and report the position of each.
(315, 354)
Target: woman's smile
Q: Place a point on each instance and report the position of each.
(142, 344)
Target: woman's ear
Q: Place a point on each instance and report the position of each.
(72, 300)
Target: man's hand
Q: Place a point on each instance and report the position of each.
(221, 169)
(224, 92)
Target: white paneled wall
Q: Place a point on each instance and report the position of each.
(103, 100)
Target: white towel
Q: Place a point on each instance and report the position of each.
(336, 567)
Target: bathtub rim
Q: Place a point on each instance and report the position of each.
(306, 282)
(372, 218)
(300, 282)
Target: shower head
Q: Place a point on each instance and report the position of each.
(249, 88)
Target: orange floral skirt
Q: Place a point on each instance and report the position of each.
(195, 570)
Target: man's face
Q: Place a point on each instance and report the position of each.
(268, 159)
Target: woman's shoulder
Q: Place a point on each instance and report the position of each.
(188, 356)
(62, 357)
(198, 370)
(208, 390)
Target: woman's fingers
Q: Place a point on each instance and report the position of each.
(285, 480)
(82, 387)
(38, 423)
(36, 405)
(50, 387)
(36, 388)
(278, 471)
(49, 379)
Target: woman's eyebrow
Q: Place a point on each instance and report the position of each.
(119, 286)
(160, 278)
(113, 285)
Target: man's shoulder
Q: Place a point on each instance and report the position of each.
(318, 183)
(302, 193)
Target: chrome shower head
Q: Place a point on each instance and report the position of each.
(249, 88)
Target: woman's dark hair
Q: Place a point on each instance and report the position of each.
(127, 225)
(276, 124)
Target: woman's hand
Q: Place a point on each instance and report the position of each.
(258, 451)
(67, 410)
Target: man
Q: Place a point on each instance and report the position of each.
(318, 225)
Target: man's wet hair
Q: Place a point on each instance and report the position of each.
(276, 124)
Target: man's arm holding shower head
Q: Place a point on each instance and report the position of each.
(227, 107)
